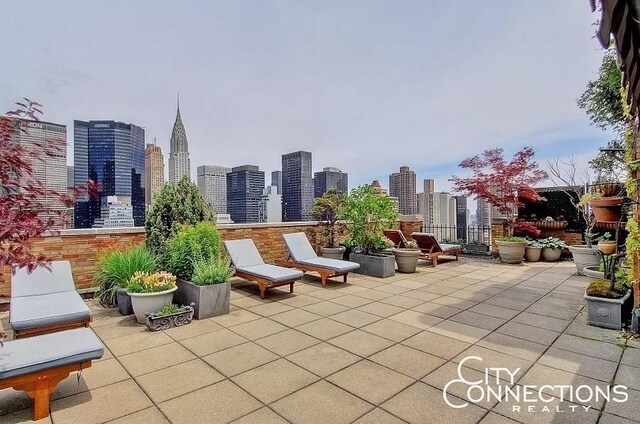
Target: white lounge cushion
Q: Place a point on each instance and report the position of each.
(39, 353)
(273, 273)
(299, 246)
(47, 309)
(333, 264)
(243, 253)
(43, 280)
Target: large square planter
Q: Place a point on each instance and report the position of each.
(381, 266)
(607, 313)
(476, 249)
(210, 300)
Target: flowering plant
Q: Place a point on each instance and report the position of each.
(144, 282)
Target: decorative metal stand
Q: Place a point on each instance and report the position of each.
(178, 319)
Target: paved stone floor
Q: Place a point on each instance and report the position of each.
(370, 351)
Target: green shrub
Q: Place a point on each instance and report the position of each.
(602, 288)
(116, 268)
(168, 309)
(512, 239)
(213, 271)
(191, 244)
(176, 205)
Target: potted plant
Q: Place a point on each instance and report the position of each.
(552, 248)
(606, 246)
(193, 255)
(370, 214)
(328, 210)
(606, 205)
(114, 270)
(503, 185)
(150, 292)
(609, 300)
(169, 316)
(407, 257)
(532, 251)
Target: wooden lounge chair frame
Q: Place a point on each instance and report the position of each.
(39, 385)
(397, 237)
(264, 283)
(325, 273)
(36, 331)
(433, 256)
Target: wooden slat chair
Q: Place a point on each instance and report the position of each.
(396, 236)
(37, 364)
(46, 301)
(302, 256)
(250, 266)
(431, 249)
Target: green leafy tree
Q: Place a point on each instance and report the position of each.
(329, 209)
(176, 204)
(370, 214)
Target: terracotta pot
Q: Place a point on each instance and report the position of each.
(607, 209)
(607, 247)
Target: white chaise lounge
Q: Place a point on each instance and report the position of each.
(37, 364)
(302, 256)
(46, 301)
(250, 266)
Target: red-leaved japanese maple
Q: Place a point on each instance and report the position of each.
(502, 184)
(23, 213)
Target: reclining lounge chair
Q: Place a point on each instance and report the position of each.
(431, 249)
(396, 236)
(250, 266)
(302, 256)
(37, 364)
(46, 301)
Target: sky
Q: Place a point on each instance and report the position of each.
(366, 86)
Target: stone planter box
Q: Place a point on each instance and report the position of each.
(381, 266)
(145, 303)
(209, 301)
(608, 313)
(584, 256)
(124, 302)
(332, 252)
(476, 249)
(184, 317)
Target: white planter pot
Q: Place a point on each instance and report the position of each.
(511, 252)
(532, 254)
(332, 252)
(583, 256)
(593, 272)
(144, 303)
(551, 255)
(407, 260)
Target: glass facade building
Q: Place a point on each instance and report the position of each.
(112, 154)
(245, 185)
(330, 178)
(297, 187)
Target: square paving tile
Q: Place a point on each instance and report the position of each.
(101, 373)
(300, 300)
(235, 317)
(195, 328)
(355, 318)
(587, 366)
(454, 302)
(629, 409)
(262, 416)
(221, 402)
(436, 310)
(274, 380)
(376, 295)
(287, 342)
(324, 329)
(323, 359)
(259, 328)
(380, 309)
(100, 405)
(212, 342)
(271, 308)
(325, 308)
(416, 319)
(149, 415)
(123, 327)
(351, 301)
(491, 359)
(631, 357)
(420, 403)
(136, 342)
(436, 344)
(370, 381)
(240, 358)
(608, 351)
(512, 346)
(321, 403)
(379, 416)
(295, 317)
(408, 361)
(156, 358)
(463, 332)
(402, 301)
(392, 330)
(361, 343)
(528, 332)
(548, 323)
(177, 380)
(478, 320)
(628, 376)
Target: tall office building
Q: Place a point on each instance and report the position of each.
(271, 205)
(70, 181)
(49, 169)
(276, 180)
(330, 178)
(297, 186)
(483, 213)
(114, 213)
(179, 162)
(70, 187)
(426, 205)
(245, 185)
(110, 153)
(461, 216)
(212, 183)
(403, 186)
(153, 173)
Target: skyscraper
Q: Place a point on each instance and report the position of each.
(426, 202)
(179, 162)
(110, 153)
(212, 183)
(276, 180)
(330, 178)
(271, 205)
(403, 186)
(444, 206)
(49, 169)
(461, 216)
(153, 172)
(297, 186)
(483, 213)
(245, 185)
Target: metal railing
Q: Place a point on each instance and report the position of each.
(462, 235)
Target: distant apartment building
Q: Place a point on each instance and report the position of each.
(111, 153)
(403, 186)
(375, 185)
(276, 180)
(483, 213)
(179, 161)
(114, 213)
(445, 214)
(212, 183)
(425, 202)
(461, 216)
(245, 185)
(270, 205)
(49, 169)
(330, 178)
(297, 186)
(153, 173)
